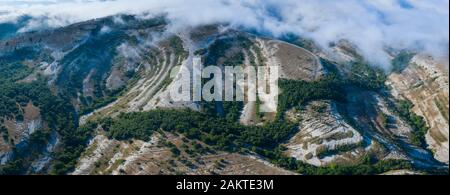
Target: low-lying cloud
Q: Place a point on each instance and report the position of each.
(372, 25)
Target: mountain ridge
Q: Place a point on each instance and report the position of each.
(103, 68)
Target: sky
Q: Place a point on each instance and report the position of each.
(372, 25)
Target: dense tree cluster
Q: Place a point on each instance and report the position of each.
(297, 93)
(364, 76)
(220, 132)
(401, 61)
(404, 109)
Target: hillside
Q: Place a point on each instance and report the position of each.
(95, 98)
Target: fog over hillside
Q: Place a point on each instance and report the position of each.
(373, 26)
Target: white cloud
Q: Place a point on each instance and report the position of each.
(372, 24)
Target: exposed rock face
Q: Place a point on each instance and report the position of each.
(402, 172)
(153, 89)
(181, 60)
(105, 156)
(425, 83)
(364, 108)
(115, 80)
(293, 62)
(322, 129)
(21, 130)
(388, 140)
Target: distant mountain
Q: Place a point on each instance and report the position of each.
(9, 29)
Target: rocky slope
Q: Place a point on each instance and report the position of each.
(425, 83)
(150, 92)
(122, 64)
(323, 130)
(105, 156)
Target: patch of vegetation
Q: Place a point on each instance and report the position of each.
(309, 156)
(261, 60)
(40, 139)
(220, 132)
(383, 119)
(13, 167)
(404, 110)
(308, 44)
(217, 50)
(329, 66)
(297, 93)
(323, 152)
(4, 133)
(233, 110)
(19, 55)
(56, 111)
(12, 72)
(220, 47)
(225, 133)
(138, 23)
(259, 114)
(73, 145)
(175, 151)
(340, 136)
(176, 44)
(444, 111)
(89, 104)
(367, 77)
(401, 61)
(200, 52)
(364, 167)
